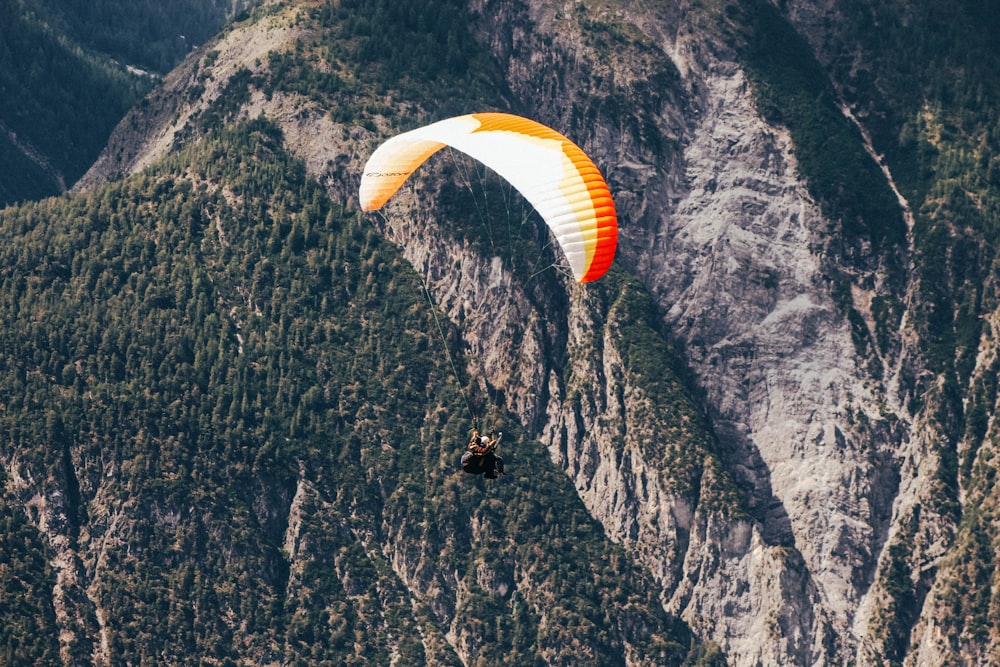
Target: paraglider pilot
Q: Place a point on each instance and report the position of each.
(480, 457)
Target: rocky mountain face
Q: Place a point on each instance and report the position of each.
(722, 230)
(809, 342)
(781, 452)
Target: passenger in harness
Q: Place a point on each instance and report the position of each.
(480, 457)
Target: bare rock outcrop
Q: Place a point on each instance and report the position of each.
(721, 230)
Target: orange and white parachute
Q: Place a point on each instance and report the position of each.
(549, 170)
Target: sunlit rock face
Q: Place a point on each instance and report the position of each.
(719, 225)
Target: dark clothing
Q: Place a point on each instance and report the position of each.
(487, 465)
(480, 457)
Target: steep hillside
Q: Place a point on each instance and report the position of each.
(936, 125)
(70, 71)
(765, 438)
(229, 417)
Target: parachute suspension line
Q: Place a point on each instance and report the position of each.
(492, 420)
(554, 265)
(437, 323)
(510, 194)
(482, 176)
(481, 211)
(507, 192)
(477, 186)
(535, 271)
(447, 351)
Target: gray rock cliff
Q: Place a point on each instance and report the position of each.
(811, 427)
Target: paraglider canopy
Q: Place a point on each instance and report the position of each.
(549, 170)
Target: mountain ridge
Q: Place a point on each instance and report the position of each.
(780, 322)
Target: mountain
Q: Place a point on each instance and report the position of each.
(233, 404)
(70, 71)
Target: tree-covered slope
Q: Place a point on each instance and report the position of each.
(70, 71)
(231, 421)
(224, 401)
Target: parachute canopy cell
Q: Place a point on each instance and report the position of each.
(549, 170)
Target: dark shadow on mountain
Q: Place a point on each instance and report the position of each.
(753, 482)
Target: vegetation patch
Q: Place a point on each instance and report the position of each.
(792, 90)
